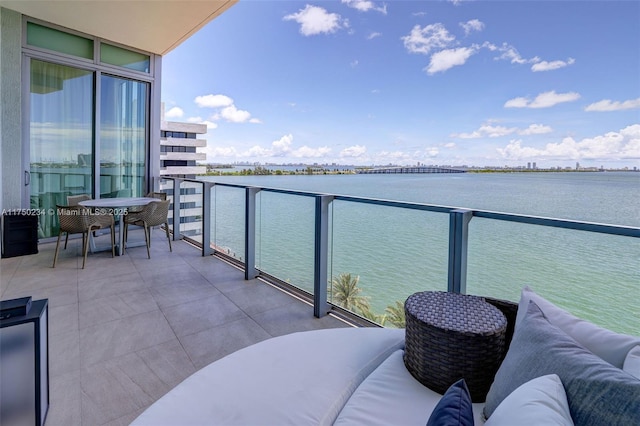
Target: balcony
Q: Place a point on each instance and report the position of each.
(126, 330)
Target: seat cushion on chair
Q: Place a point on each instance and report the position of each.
(300, 378)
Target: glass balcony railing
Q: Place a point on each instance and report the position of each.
(368, 255)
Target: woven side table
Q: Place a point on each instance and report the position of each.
(451, 336)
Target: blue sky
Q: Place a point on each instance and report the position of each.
(485, 83)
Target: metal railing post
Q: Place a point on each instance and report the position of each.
(177, 185)
(458, 242)
(321, 252)
(206, 218)
(250, 270)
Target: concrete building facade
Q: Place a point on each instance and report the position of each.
(179, 154)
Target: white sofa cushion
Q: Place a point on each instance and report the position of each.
(300, 378)
(608, 345)
(392, 396)
(541, 401)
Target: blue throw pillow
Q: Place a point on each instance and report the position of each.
(454, 408)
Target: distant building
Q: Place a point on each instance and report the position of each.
(178, 156)
(535, 166)
(178, 148)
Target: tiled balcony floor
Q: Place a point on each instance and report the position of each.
(126, 330)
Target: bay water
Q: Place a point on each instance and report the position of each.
(396, 252)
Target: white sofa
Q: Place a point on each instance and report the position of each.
(357, 376)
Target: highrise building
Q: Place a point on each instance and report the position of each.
(178, 156)
(178, 148)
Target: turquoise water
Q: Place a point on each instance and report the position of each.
(396, 252)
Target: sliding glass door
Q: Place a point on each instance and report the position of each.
(88, 121)
(61, 137)
(124, 114)
(64, 139)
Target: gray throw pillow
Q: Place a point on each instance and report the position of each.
(598, 393)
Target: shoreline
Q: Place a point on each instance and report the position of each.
(263, 171)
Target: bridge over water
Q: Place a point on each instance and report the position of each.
(408, 169)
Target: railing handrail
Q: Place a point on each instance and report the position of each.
(459, 219)
(604, 228)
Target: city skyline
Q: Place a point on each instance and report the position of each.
(452, 82)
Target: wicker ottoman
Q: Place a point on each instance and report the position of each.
(451, 336)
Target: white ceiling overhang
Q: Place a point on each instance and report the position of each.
(155, 26)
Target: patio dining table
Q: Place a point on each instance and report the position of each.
(118, 207)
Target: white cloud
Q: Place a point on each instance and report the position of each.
(553, 65)
(609, 105)
(510, 53)
(373, 35)
(235, 115)
(472, 25)
(213, 101)
(393, 157)
(316, 20)
(226, 110)
(624, 144)
(519, 102)
(198, 120)
(354, 63)
(174, 112)
(487, 131)
(492, 131)
(221, 151)
(283, 148)
(365, 6)
(543, 100)
(353, 151)
(282, 145)
(535, 129)
(449, 58)
(432, 152)
(307, 152)
(424, 40)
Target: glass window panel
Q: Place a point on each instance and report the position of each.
(51, 39)
(61, 138)
(124, 106)
(118, 56)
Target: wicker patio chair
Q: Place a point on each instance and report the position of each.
(73, 200)
(80, 220)
(158, 195)
(103, 216)
(153, 214)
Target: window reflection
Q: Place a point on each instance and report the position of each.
(61, 137)
(123, 135)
